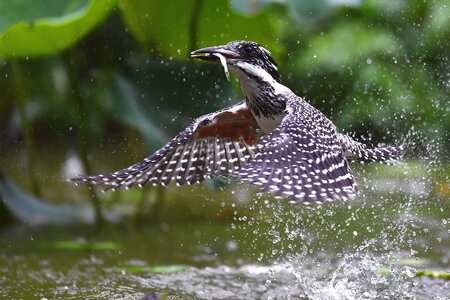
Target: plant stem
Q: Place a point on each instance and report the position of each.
(193, 25)
(83, 131)
(27, 130)
(93, 196)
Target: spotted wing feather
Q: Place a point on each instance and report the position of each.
(300, 159)
(186, 159)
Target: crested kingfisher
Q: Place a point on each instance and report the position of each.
(273, 139)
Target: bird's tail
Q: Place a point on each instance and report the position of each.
(380, 154)
(387, 154)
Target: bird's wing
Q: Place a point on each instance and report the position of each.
(215, 143)
(300, 159)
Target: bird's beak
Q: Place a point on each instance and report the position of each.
(210, 53)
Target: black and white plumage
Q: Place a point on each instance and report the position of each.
(360, 151)
(301, 159)
(273, 139)
(188, 158)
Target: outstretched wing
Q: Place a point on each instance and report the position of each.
(214, 143)
(300, 159)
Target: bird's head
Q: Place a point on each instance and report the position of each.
(244, 58)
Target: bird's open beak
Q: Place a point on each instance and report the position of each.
(210, 53)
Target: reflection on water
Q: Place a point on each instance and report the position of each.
(368, 249)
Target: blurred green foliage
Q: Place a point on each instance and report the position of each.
(177, 27)
(92, 71)
(30, 28)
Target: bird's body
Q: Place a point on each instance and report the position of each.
(273, 139)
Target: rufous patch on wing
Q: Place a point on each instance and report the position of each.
(235, 125)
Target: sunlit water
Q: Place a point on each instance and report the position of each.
(369, 248)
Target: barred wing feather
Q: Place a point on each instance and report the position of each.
(206, 147)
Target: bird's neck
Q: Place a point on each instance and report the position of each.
(265, 96)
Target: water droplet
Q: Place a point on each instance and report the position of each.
(231, 246)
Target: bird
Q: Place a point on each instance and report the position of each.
(272, 139)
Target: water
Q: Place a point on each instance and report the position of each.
(370, 248)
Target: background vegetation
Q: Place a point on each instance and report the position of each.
(95, 85)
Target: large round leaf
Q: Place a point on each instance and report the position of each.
(173, 27)
(30, 28)
(346, 44)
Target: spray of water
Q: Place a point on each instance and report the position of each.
(369, 248)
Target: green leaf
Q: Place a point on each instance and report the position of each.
(16, 11)
(39, 29)
(81, 245)
(346, 44)
(139, 269)
(172, 27)
(434, 274)
(124, 105)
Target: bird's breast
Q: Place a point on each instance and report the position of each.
(268, 124)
